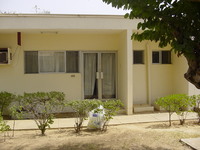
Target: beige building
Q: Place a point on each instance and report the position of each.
(87, 57)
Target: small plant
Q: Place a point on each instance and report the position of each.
(178, 103)
(41, 106)
(184, 105)
(16, 113)
(3, 127)
(82, 108)
(110, 107)
(6, 99)
(197, 106)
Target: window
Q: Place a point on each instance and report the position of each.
(161, 57)
(166, 57)
(31, 62)
(138, 57)
(51, 62)
(72, 64)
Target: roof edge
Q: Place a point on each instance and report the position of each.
(64, 15)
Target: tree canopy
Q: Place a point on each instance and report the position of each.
(173, 22)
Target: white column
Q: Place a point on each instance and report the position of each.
(129, 72)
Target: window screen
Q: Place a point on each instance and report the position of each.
(138, 57)
(31, 62)
(51, 61)
(155, 57)
(72, 62)
(166, 57)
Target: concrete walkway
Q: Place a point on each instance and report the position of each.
(117, 120)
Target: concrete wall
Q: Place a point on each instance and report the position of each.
(151, 81)
(179, 68)
(124, 71)
(140, 76)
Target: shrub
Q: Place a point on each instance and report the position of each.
(41, 106)
(178, 103)
(3, 126)
(197, 106)
(111, 107)
(82, 108)
(6, 99)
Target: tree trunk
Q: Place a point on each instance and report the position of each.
(193, 73)
(43, 131)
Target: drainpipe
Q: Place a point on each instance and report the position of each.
(148, 74)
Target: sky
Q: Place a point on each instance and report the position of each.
(59, 7)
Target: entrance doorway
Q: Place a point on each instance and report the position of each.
(99, 70)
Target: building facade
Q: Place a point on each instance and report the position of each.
(87, 57)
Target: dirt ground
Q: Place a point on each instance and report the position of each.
(146, 136)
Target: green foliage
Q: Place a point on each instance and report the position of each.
(178, 103)
(174, 22)
(197, 106)
(111, 107)
(81, 108)
(3, 126)
(41, 106)
(6, 99)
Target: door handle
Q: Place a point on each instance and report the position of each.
(97, 75)
(101, 75)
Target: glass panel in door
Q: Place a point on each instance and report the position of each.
(90, 71)
(108, 67)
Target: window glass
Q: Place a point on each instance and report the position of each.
(155, 57)
(72, 63)
(31, 62)
(51, 61)
(166, 57)
(138, 57)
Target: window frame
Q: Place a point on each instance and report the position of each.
(65, 62)
(160, 57)
(143, 57)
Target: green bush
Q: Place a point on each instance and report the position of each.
(6, 99)
(197, 106)
(110, 107)
(82, 108)
(178, 103)
(3, 126)
(41, 106)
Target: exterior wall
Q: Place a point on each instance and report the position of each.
(140, 76)
(179, 68)
(151, 81)
(14, 80)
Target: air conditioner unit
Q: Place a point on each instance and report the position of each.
(5, 56)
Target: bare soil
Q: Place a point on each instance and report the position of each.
(145, 136)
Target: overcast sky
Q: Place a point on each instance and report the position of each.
(59, 7)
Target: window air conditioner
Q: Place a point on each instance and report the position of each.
(5, 56)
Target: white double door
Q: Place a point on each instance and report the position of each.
(99, 71)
